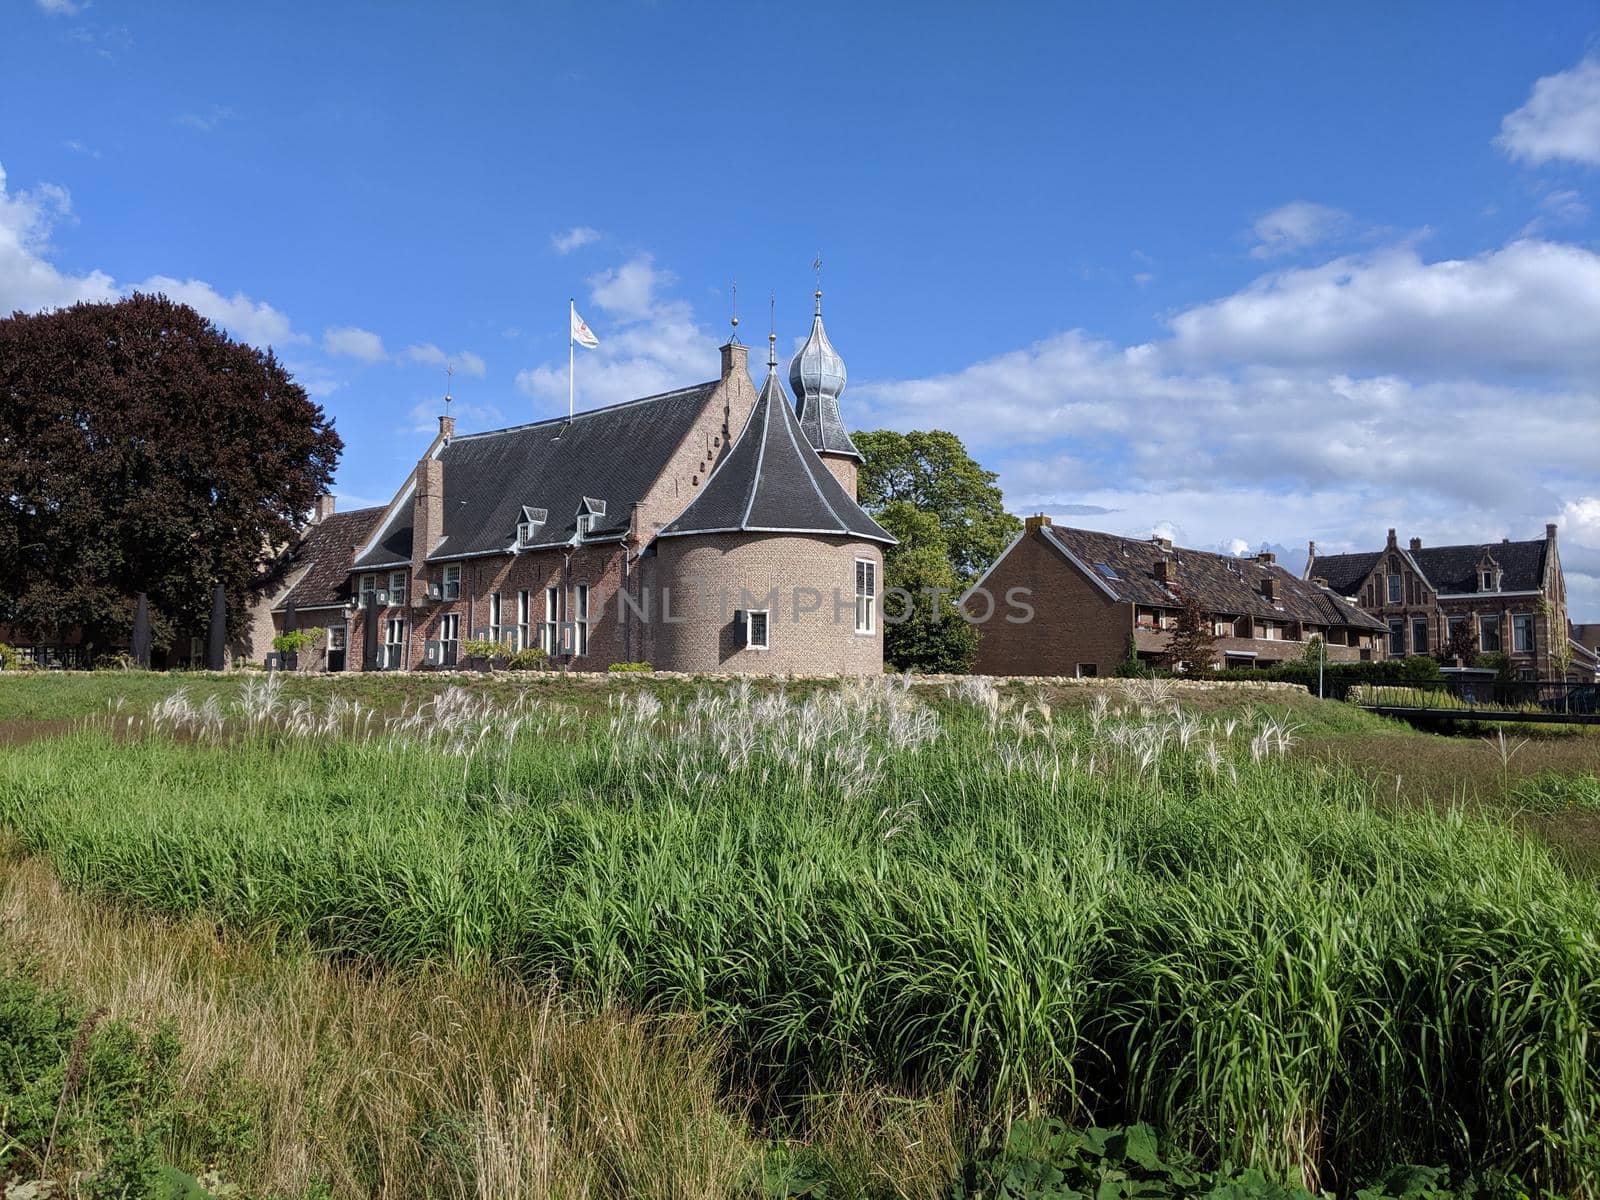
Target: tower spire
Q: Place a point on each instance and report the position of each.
(772, 331)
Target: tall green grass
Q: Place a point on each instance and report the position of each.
(1125, 913)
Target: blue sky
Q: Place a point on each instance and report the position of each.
(1251, 274)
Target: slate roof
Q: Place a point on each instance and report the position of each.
(326, 550)
(1449, 569)
(771, 481)
(817, 376)
(1223, 584)
(613, 454)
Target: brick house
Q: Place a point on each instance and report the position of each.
(710, 528)
(1585, 652)
(1510, 596)
(1090, 592)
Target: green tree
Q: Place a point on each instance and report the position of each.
(1193, 639)
(143, 450)
(932, 472)
(1461, 644)
(925, 632)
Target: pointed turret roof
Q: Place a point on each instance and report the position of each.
(817, 376)
(771, 481)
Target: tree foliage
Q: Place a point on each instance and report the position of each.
(145, 450)
(1461, 644)
(932, 472)
(933, 636)
(1193, 639)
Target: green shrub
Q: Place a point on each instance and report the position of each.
(9, 658)
(533, 658)
(623, 668)
(484, 648)
(297, 641)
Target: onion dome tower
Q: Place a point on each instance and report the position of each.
(817, 376)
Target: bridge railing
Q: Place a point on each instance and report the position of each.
(1545, 696)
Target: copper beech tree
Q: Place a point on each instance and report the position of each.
(143, 450)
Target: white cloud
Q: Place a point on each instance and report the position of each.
(1530, 306)
(424, 416)
(653, 346)
(351, 342)
(1295, 226)
(253, 320)
(1559, 121)
(208, 120)
(429, 355)
(63, 8)
(573, 239)
(78, 147)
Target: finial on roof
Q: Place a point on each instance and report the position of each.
(816, 265)
(772, 331)
(449, 371)
(734, 319)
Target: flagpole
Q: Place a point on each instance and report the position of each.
(572, 314)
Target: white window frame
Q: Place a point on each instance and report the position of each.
(397, 588)
(368, 587)
(1486, 578)
(1521, 621)
(450, 639)
(750, 641)
(394, 652)
(450, 587)
(580, 619)
(1396, 586)
(524, 614)
(550, 630)
(495, 630)
(335, 637)
(867, 598)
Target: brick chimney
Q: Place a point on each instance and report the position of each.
(1550, 533)
(735, 357)
(1266, 558)
(1269, 587)
(324, 509)
(1416, 543)
(1393, 542)
(1167, 569)
(1029, 524)
(1320, 581)
(447, 429)
(427, 520)
(1161, 543)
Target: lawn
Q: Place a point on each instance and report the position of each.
(871, 924)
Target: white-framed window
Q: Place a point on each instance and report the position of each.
(394, 644)
(758, 629)
(452, 582)
(1088, 670)
(1419, 635)
(369, 587)
(1267, 630)
(550, 631)
(1394, 589)
(1522, 633)
(449, 639)
(495, 632)
(1487, 581)
(1488, 633)
(866, 595)
(524, 615)
(580, 619)
(397, 587)
(585, 524)
(335, 637)
(1221, 628)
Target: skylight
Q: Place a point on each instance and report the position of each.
(1106, 571)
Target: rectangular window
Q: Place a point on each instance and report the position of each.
(1087, 670)
(1222, 628)
(495, 631)
(394, 644)
(580, 619)
(1487, 581)
(1419, 635)
(1397, 637)
(369, 586)
(757, 632)
(1488, 633)
(452, 582)
(866, 595)
(1394, 589)
(449, 639)
(549, 636)
(1522, 633)
(335, 637)
(397, 588)
(524, 609)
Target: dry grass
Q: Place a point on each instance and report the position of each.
(303, 1077)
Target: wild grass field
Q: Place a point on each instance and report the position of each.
(714, 939)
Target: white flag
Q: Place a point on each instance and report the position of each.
(582, 334)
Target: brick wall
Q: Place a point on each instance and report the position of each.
(1073, 621)
(725, 566)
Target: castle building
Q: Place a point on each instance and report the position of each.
(710, 528)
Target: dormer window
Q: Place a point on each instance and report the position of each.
(533, 520)
(1486, 580)
(588, 510)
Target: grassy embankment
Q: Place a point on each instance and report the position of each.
(958, 911)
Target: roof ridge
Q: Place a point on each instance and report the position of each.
(588, 412)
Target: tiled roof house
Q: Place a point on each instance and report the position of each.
(709, 528)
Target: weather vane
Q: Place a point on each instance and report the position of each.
(449, 373)
(734, 319)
